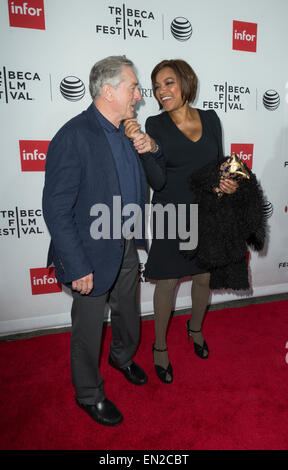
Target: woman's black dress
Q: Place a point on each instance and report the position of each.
(180, 157)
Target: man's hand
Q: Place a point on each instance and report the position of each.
(84, 285)
(132, 128)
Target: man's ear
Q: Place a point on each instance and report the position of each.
(108, 92)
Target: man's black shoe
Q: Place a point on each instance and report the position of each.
(133, 373)
(103, 412)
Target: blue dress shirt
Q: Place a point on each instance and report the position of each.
(125, 159)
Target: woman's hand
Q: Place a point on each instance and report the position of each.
(144, 143)
(228, 185)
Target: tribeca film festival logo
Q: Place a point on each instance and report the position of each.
(244, 152)
(43, 281)
(19, 222)
(228, 97)
(283, 265)
(17, 85)
(244, 36)
(33, 154)
(127, 222)
(26, 14)
(126, 22)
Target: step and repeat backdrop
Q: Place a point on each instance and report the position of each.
(239, 52)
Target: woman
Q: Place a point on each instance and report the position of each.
(188, 139)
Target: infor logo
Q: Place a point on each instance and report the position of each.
(244, 152)
(33, 154)
(43, 281)
(244, 36)
(26, 14)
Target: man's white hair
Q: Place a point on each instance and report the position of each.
(108, 71)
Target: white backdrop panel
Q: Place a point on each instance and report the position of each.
(77, 34)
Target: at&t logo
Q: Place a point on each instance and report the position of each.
(43, 281)
(181, 29)
(26, 14)
(271, 100)
(33, 154)
(72, 88)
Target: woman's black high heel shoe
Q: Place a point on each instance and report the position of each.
(199, 350)
(160, 371)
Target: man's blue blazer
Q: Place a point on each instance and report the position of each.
(81, 172)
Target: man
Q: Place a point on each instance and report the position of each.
(90, 161)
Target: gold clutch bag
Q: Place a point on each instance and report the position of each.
(232, 168)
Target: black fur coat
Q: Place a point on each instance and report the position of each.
(227, 226)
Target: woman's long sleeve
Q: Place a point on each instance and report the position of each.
(154, 164)
(154, 169)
